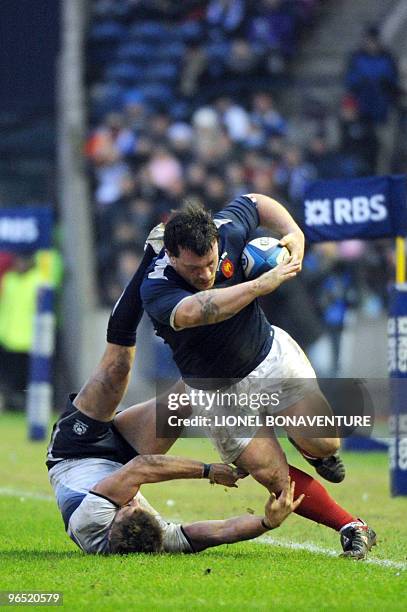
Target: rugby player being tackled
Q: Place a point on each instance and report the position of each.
(202, 306)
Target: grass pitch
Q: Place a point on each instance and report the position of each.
(36, 555)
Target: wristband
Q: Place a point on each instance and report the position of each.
(206, 470)
(264, 524)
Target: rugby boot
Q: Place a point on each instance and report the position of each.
(357, 539)
(331, 468)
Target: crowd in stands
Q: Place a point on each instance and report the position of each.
(176, 54)
(184, 105)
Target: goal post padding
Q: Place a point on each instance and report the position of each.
(397, 359)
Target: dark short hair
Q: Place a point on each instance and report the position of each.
(192, 229)
(139, 532)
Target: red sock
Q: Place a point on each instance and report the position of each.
(317, 505)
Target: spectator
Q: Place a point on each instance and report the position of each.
(293, 174)
(245, 68)
(225, 17)
(158, 126)
(216, 193)
(142, 216)
(180, 138)
(266, 116)
(194, 65)
(164, 168)
(170, 198)
(125, 233)
(358, 141)
(372, 77)
(207, 132)
(256, 138)
(128, 261)
(263, 179)
(236, 179)
(144, 148)
(324, 158)
(206, 120)
(114, 182)
(332, 282)
(315, 119)
(274, 27)
(134, 108)
(234, 118)
(115, 236)
(18, 298)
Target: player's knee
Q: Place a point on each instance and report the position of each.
(325, 447)
(330, 446)
(272, 477)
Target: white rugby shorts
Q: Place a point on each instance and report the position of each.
(285, 371)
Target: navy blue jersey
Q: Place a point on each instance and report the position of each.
(227, 350)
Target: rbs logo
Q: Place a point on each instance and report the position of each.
(19, 229)
(345, 211)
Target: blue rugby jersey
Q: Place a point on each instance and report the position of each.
(227, 350)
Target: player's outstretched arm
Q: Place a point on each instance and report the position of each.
(216, 305)
(123, 485)
(214, 533)
(104, 390)
(276, 217)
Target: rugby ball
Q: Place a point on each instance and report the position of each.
(261, 255)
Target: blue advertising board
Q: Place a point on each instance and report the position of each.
(25, 228)
(363, 208)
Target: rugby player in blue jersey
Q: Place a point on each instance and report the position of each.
(201, 305)
(96, 471)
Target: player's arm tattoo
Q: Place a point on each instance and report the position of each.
(210, 310)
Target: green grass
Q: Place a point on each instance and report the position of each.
(35, 553)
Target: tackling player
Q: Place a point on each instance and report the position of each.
(97, 486)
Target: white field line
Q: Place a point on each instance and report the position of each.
(265, 540)
(319, 550)
(9, 492)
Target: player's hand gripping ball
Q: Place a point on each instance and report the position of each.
(261, 255)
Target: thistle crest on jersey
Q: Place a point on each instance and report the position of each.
(79, 428)
(261, 255)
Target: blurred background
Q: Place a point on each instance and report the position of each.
(114, 112)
